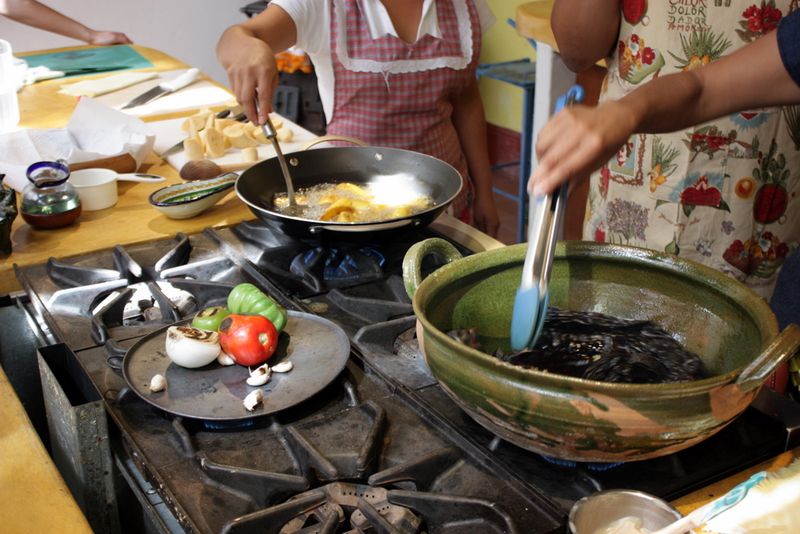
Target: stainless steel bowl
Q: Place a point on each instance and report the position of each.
(595, 512)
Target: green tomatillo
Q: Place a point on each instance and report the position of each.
(210, 318)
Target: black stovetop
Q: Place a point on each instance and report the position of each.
(379, 441)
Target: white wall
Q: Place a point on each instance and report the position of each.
(185, 29)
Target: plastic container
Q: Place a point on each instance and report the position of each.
(49, 201)
(9, 105)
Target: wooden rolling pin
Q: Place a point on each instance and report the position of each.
(122, 163)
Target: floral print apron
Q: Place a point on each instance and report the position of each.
(397, 94)
(724, 193)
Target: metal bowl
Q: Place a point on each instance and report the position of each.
(593, 513)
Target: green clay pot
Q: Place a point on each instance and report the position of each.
(729, 326)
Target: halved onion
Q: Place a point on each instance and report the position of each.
(192, 347)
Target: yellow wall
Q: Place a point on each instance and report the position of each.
(503, 101)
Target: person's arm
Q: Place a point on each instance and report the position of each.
(585, 30)
(247, 52)
(32, 13)
(580, 139)
(470, 124)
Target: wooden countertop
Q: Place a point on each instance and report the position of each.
(33, 496)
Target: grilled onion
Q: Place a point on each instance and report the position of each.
(191, 347)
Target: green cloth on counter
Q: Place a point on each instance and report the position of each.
(90, 60)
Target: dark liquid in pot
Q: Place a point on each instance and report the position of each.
(595, 346)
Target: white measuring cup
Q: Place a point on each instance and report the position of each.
(97, 188)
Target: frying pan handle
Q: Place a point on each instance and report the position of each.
(782, 348)
(318, 229)
(115, 355)
(412, 261)
(326, 138)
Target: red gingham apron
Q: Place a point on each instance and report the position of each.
(409, 110)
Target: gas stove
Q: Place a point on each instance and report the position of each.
(380, 448)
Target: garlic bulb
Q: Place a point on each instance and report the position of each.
(253, 399)
(191, 347)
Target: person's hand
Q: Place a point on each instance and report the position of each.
(253, 74)
(577, 141)
(104, 38)
(484, 215)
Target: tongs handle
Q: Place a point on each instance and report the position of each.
(545, 213)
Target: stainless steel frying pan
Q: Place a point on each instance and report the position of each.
(404, 169)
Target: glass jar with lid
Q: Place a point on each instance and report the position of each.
(49, 201)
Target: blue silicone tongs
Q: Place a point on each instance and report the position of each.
(545, 213)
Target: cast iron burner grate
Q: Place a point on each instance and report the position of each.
(129, 291)
(343, 486)
(336, 266)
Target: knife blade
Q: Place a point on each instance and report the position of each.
(177, 147)
(164, 88)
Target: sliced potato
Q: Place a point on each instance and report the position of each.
(284, 134)
(237, 135)
(193, 148)
(333, 211)
(250, 154)
(402, 211)
(277, 120)
(210, 122)
(195, 121)
(214, 142)
(257, 133)
(353, 188)
(221, 124)
(346, 216)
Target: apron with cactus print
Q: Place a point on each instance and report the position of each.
(725, 193)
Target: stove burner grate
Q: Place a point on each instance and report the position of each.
(339, 265)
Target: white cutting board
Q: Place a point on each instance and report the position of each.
(168, 132)
(197, 95)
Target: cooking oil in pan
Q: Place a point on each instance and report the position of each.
(346, 202)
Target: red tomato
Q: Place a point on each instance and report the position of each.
(248, 339)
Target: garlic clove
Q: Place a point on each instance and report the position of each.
(259, 376)
(283, 367)
(253, 399)
(158, 383)
(225, 359)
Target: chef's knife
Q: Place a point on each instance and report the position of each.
(164, 88)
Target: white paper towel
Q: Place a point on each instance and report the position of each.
(94, 131)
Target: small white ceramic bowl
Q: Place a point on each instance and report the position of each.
(188, 199)
(596, 512)
(97, 188)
